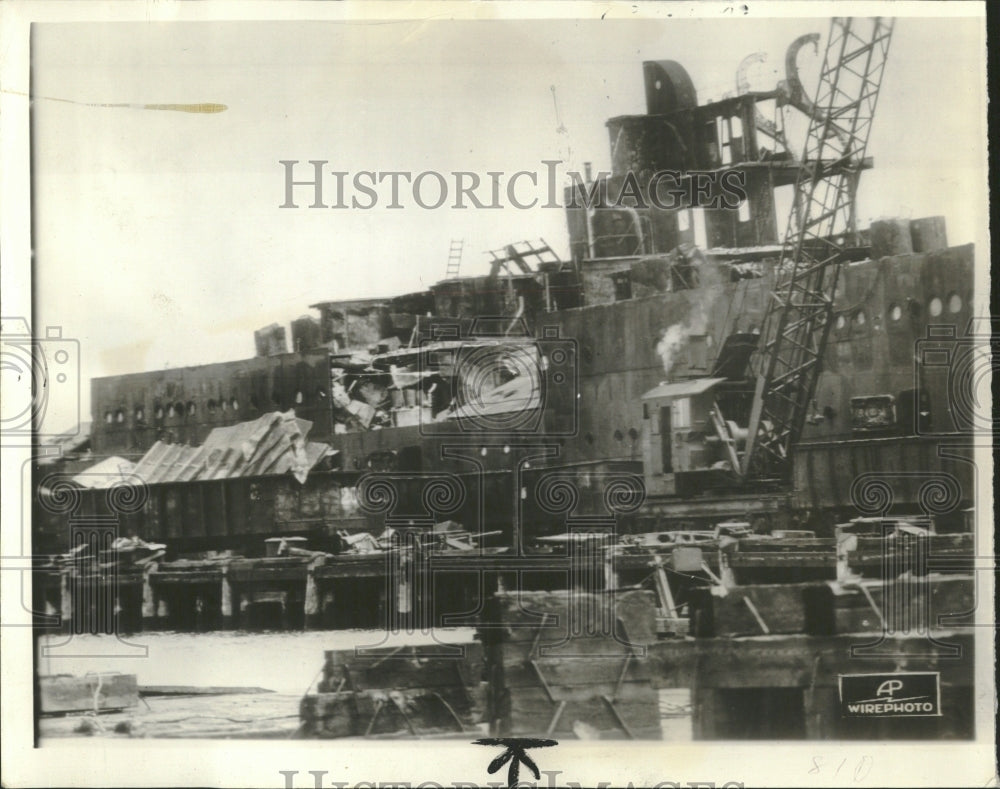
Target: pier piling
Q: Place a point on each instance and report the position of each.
(226, 605)
(65, 602)
(313, 598)
(148, 598)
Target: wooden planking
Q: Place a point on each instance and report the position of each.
(561, 615)
(637, 692)
(782, 559)
(578, 672)
(637, 612)
(642, 720)
(549, 651)
(433, 687)
(550, 646)
(791, 660)
(672, 663)
(185, 577)
(352, 567)
(366, 713)
(916, 604)
(828, 608)
(780, 608)
(240, 572)
(817, 661)
(400, 676)
(531, 711)
(414, 667)
(943, 552)
(786, 545)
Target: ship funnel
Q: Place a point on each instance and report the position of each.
(668, 87)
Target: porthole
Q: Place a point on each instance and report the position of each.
(191, 408)
(841, 322)
(860, 319)
(212, 406)
(935, 307)
(119, 416)
(298, 398)
(895, 312)
(108, 417)
(619, 436)
(139, 414)
(954, 303)
(235, 404)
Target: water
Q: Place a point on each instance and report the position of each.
(287, 663)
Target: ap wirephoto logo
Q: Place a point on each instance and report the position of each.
(903, 694)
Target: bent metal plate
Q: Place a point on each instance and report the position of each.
(462, 394)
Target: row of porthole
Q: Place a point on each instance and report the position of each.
(935, 307)
(178, 409)
(172, 410)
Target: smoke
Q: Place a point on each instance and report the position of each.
(675, 337)
(671, 343)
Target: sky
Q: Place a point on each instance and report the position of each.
(158, 236)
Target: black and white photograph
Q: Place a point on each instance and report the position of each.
(467, 394)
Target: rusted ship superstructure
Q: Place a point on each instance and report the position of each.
(639, 415)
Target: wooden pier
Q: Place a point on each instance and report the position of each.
(591, 667)
(449, 588)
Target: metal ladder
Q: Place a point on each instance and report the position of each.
(454, 258)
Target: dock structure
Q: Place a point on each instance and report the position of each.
(415, 690)
(564, 664)
(788, 686)
(763, 662)
(422, 586)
